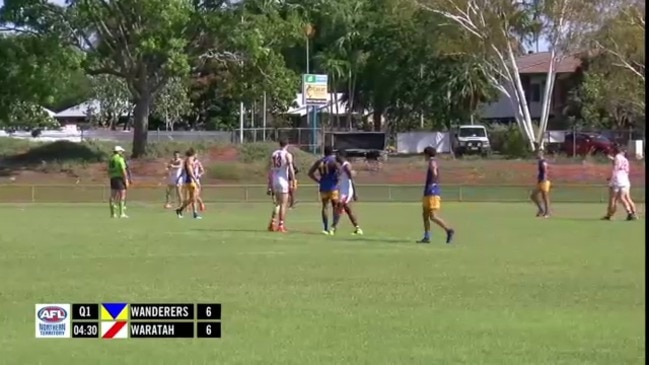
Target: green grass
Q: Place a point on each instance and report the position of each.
(512, 290)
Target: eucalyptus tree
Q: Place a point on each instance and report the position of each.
(497, 31)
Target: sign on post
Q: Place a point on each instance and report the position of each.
(315, 90)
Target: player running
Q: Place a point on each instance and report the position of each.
(431, 202)
(119, 180)
(541, 194)
(328, 172)
(347, 191)
(620, 187)
(280, 173)
(190, 183)
(174, 183)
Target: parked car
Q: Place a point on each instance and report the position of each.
(471, 139)
(582, 144)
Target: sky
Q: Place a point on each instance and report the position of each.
(543, 44)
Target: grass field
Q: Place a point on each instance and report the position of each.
(512, 289)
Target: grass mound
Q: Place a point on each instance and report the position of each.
(249, 161)
(59, 151)
(253, 163)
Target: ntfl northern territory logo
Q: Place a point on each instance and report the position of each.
(114, 317)
(52, 320)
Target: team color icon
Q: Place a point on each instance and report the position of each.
(114, 320)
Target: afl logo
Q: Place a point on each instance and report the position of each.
(52, 314)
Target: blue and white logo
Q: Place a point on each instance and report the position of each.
(52, 320)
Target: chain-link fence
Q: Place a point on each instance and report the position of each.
(14, 193)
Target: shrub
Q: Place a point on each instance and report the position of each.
(515, 144)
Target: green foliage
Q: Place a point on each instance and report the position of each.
(610, 98)
(172, 102)
(24, 115)
(33, 72)
(193, 63)
(515, 145)
(509, 141)
(112, 100)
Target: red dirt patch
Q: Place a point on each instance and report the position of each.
(227, 154)
(396, 171)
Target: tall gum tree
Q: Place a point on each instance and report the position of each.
(500, 28)
(622, 36)
(564, 24)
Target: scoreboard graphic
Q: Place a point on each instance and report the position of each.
(128, 320)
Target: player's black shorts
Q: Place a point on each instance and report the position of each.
(117, 183)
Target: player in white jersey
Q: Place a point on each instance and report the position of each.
(347, 190)
(173, 179)
(280, 177)
(199, 171)
(620, 186)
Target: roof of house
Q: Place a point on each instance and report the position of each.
(48, 112)
(537, 63)
(83, 110)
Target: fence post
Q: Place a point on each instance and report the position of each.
(33, 191)
(390, 193)
(459, 193)
(246, 193)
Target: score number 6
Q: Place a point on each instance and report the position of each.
(208, 312)
(208, 330)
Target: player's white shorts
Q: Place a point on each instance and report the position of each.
(173, 180)
(346, 194)
(621, 188)
(280, 186)
(620, 185)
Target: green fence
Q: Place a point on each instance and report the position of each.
(13, 193)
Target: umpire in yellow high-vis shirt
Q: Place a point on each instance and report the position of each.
(119, 181)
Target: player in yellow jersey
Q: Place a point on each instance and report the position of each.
(190, 185)
(328, 173)
(431, 202)
(541, 193)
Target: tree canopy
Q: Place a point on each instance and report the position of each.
(413, 64)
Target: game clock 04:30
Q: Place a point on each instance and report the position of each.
(85, 330)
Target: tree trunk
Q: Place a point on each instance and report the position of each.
(376, 119)
(520, 92)
(547, 98)
(141, 124)
(335, 86)
(350, 100)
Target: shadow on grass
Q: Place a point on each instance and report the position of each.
(579, 219)
(337, 237)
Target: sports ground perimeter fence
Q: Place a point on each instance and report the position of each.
(16, 193)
